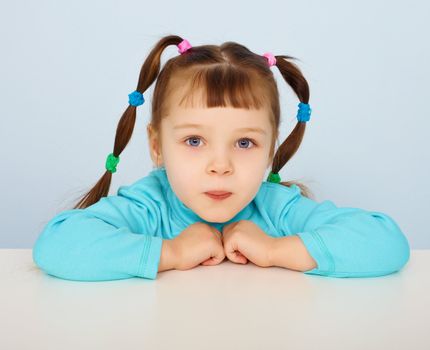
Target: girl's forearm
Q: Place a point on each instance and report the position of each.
(290, 252)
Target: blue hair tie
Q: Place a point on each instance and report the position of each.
(136, 98)
(304, 112)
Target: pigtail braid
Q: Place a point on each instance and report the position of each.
(148, 73)
(294, 77)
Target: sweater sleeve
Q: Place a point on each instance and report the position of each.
(346, 242)
(112, 239)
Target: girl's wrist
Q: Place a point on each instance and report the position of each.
(167, 257)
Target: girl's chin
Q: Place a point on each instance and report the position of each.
(215, 218)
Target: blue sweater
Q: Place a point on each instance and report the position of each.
(121, 236)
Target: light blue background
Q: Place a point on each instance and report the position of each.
(67, 68)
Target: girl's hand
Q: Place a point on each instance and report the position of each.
(198, 244)
(245, 240)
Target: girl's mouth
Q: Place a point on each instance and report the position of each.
(218, 196)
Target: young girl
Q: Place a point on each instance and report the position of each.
(215, 121)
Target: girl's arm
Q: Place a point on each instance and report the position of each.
(290, 252)
(115, 238)
(344, 242)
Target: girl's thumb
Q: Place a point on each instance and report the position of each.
(239, 258)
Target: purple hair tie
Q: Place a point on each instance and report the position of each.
(270, 58)
(184, 45)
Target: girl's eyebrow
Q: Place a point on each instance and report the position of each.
(198, 126)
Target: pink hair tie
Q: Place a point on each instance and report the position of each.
(184, 45)
(270, 58)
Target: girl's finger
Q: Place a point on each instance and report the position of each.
(241, 258)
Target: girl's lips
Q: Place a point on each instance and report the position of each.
(214, 196)
(218, 193)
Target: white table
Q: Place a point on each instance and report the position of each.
(228, 306)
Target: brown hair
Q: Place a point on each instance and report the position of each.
(228, 74)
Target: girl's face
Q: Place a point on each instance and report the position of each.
(218, 152)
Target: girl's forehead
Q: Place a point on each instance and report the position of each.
(193, 108)
(216, 117)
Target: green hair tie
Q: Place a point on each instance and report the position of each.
(274, 178)
(111, 163)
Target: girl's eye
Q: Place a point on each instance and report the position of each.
(242, 142)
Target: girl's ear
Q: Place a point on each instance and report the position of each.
(270, 160)
(153, 146)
